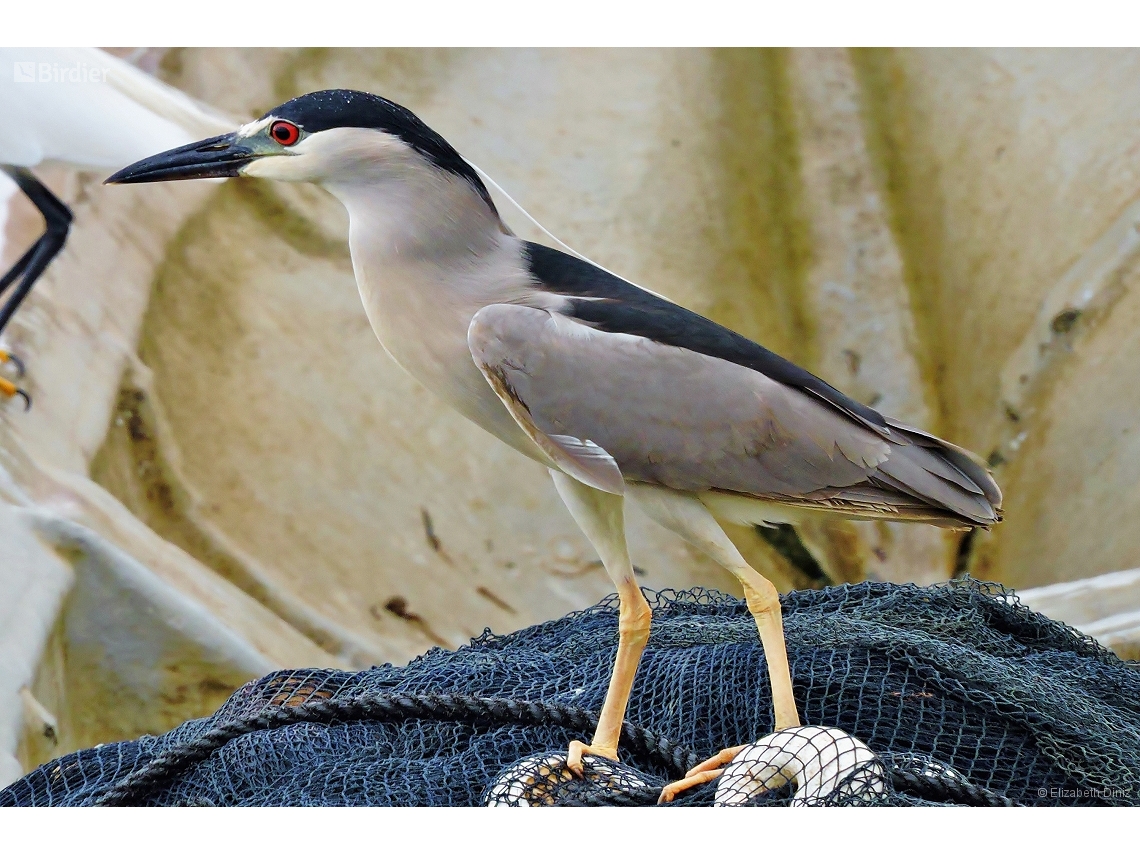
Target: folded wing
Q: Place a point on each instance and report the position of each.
(610, 407)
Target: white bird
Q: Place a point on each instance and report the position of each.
(88, 109)
(619, 392)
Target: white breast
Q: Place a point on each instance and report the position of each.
(426, 259)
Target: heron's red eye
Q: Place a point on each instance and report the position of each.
(285, 133)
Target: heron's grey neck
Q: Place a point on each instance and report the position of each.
(419, 211)
(423, 241)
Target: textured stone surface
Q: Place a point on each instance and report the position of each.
(865, 340)
(1013, 175)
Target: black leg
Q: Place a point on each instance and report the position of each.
(18, 268)
(25, 272)
(57, 218)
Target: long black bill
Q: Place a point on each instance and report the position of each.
(217, 157)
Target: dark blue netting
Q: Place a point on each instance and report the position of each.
(958, 675)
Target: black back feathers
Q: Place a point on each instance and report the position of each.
(614, 305)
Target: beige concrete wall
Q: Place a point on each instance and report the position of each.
(217, 432)
(1013, 177)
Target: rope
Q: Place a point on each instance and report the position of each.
(936, 789)
(164, 768)
(943, 788)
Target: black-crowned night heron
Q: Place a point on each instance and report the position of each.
(88, 109)
(621, 393)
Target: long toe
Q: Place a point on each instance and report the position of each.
(9, 390)
(824, 764)
(575, 757)
(6, 356)
(702, 773)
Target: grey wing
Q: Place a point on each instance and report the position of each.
(608, 406)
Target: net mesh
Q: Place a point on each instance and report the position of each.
(954, 693)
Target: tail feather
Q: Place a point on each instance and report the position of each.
(941, 475)
(966, 463)
(922, 479)
(887, 502)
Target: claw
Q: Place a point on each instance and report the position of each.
(5, 356)
(10, 390)
(578, 750)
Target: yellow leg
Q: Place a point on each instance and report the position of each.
(764, 603)
(633, 633)
(601, 516)
(688, 517)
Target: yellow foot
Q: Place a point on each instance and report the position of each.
(819, 761)
(700, 774)
(10, 390)
(7, 356)
(579, 749)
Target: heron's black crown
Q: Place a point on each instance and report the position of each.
(348, 108)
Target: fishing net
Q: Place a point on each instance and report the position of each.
(948, 694)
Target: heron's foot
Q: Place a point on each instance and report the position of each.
(9, 390)
(546, 779)
(6, 356)
(700, 774)
(580, 749)
(825, 764)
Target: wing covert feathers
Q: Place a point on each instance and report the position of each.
(579, 458)
(608, 407)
